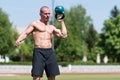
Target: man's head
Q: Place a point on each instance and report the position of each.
(44, 13)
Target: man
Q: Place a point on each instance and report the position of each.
(43, 55)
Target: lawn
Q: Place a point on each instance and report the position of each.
(66, 77)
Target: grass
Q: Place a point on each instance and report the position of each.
(66, 77)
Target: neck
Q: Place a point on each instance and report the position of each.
(45, 22)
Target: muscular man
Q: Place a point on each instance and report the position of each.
(43, 55)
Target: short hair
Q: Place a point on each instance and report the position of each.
(41, 9)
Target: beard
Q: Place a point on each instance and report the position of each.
(47, 19)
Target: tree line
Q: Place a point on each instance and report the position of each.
(83, 41)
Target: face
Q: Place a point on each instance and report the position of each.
(45, 14)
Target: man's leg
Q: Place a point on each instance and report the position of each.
(36, 78)
(37, 64)
(51, 78)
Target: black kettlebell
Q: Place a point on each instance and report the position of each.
(59, 12)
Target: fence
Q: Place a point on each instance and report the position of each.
(26, 69)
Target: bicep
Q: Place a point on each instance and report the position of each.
(29, 29)
(57, 32)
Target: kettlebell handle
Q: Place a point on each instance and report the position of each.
(56, 16)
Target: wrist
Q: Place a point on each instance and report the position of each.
(62, 21)
(18, 41)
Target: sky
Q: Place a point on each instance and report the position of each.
(23, 12)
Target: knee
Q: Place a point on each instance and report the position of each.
(36, 78)
(51, 78)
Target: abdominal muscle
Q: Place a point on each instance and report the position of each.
(42, 40)
(43, 44)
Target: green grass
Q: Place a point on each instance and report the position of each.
(67, 77)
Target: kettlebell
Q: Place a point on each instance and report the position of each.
(59, 12)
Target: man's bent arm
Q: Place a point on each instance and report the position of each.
(63, 29)
(61, 33)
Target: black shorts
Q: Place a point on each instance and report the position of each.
(44, 59)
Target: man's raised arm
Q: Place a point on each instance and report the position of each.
(61, 33)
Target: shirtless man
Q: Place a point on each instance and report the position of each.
(43, 54)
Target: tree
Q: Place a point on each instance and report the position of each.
(115, 12)
(91, 37)
(76, 22)
(111, 35)
(6, 35)
(24, 51)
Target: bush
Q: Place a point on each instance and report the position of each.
(16, 63)
(85, 63)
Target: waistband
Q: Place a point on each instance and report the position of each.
(43, 48)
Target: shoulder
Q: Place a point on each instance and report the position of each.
(52, 26)
(34, 23)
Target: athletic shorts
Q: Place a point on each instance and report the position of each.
(44, 59)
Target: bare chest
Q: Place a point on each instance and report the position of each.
(43, 28)
(42, 32)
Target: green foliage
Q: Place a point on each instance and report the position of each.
(64, 63)
(90, 62)
(17, 63)
(94, 51)
(115, 12)
(76, 22)
(91, 37)
(24, 51)
(6, 34)
(111, 36)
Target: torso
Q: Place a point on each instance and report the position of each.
(42, 35)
